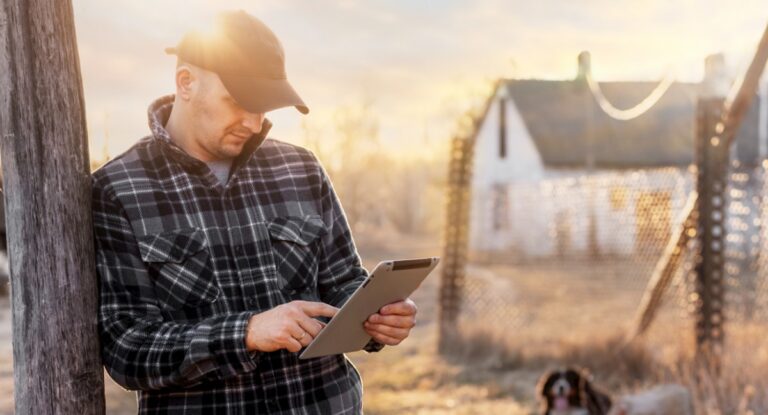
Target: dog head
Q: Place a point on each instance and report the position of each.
(569, 391)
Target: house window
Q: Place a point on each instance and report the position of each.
(500, 204)
(502, 128)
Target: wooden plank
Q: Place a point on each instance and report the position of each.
(665, 268)
(54, 291)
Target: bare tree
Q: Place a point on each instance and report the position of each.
(354, 159)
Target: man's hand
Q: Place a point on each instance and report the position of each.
(288, 326)
(393, 323)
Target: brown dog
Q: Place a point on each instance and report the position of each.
(569, 391)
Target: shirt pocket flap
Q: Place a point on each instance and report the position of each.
(299, 229)
(171, 246)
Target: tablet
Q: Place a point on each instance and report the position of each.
(390, 281)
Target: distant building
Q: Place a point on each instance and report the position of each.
(540, 136)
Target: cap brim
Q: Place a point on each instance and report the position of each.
(262, 95)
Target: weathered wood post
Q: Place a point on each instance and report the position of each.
(732, 113)
(712, 161)
(454, 261)
(57, 365)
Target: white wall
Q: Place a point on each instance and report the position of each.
(522, 163)
(551, 217)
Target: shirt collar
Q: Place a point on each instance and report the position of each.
(158, 113)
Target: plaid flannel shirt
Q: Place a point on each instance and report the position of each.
(184, 261)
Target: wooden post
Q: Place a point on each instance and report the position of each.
(456, 241)
(56, 354)
(712, 159)
(734, 109)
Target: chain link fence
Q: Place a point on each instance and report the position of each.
(570, 258)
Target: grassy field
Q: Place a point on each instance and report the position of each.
(529, 327)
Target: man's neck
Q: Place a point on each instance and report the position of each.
(176, 129)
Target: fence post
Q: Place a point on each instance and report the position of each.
(712, 161)
(456, 240)
(56, 359)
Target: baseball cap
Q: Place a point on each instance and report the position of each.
(248, 58)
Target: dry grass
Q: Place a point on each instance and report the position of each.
(487, 372)
(738, 388)
(490, 372)
(413, 378)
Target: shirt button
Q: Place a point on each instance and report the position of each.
(251, 301)
(238, 250)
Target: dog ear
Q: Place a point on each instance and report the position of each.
(545, 382)
(584, 373)
(584, 389)
(596, 402)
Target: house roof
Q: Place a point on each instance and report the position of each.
(561, 115)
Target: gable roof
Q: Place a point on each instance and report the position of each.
(561, 116)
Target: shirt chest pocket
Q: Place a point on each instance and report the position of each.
(180, 266)
(296, 250)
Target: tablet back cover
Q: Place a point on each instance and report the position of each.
(389, 282)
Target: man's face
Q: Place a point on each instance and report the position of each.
(222, 127)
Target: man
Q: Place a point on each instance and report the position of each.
(219, 249)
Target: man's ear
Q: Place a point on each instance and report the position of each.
(185, 80)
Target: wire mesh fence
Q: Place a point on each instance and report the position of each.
(567, 256)
(745, 267)
(570, 257)
(674, 254)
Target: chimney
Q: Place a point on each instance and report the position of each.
(585, 65)
(715, 83)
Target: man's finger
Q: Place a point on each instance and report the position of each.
(393, 332)
(311, 326)
(405, 322)
(403, 308)
(293, 345)
(296, 332)
(384, 339)
(315, 309)
(306, 339)
(305, 333)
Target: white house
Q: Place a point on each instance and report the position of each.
(555, 175)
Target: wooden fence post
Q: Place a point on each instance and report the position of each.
(57, 364)
(732, 111)
(712, 160)
(456, 240)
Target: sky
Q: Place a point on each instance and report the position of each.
(418, 64)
